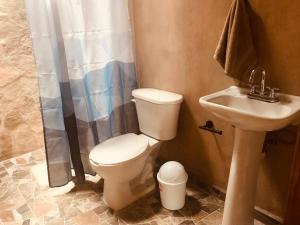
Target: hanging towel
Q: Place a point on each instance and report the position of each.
(235, 51)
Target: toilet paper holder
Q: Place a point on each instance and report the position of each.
(209, 126)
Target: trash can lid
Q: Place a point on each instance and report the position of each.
(172, 172)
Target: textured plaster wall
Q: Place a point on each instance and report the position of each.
(20, 119)
(175, 42)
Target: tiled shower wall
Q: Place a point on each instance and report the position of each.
(20, 120)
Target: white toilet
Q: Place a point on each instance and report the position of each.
(126, 162)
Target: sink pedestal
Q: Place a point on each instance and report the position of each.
(251, 119)
(241, 189)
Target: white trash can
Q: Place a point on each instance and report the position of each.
(172, 180)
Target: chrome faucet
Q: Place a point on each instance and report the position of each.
(262, 95)
(263, 80)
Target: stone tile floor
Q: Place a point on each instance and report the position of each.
(25, 199)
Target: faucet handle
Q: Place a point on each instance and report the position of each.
(272, 91)
(268, 88)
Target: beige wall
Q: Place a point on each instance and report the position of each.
(20, 120)
(175, 43)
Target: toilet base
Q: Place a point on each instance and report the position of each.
(119, 195)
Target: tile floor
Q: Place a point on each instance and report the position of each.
(26, 199)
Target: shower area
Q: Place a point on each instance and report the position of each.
(86, 72)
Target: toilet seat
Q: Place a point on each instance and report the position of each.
(118, 149)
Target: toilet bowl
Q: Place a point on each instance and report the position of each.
(126, 162)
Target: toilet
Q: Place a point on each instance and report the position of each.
(126, 162)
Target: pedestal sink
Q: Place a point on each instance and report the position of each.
(251, 119)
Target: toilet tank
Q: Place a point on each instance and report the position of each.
(157, 112)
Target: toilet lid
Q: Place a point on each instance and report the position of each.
(118, 149)
(157, 96)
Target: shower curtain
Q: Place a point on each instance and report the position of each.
(84, 56)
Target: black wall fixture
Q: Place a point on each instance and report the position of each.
(209, 126)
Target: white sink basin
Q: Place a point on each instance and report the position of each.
(233, 105)
(251, 118)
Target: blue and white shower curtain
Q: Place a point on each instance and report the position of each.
(84, 56)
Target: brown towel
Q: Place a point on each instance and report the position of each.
(235, 51)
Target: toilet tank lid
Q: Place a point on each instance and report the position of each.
(118, 149)
(157, 96)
